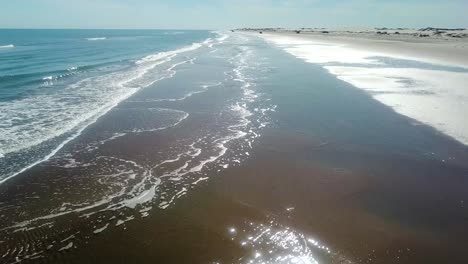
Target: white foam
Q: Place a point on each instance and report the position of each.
(105, 201)
(99, 230)
(44, 115)
(204, 87)
(181, 192)
(222, 38)
(94, 39)
(208, 42)
(176, 117)
(31, 137)
(121, 222)
(138, 185)
(434, 97)
(316, 52)
(67, 238)
(7, 46)
(200, 180)
(143, 198)
(161, 55)
(192, 167)
(68, 246)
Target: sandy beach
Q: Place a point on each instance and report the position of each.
(440, 48)
(423, 78)
(234, 132)
(251, 150)
(364, 197)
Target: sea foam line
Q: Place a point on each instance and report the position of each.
(235, 132)
(152, 58)
(160, 55)
(140, 196)
(94, 39)
(204, 87)
(430, 96)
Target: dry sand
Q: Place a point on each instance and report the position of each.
(450, 48)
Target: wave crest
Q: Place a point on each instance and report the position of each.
(94, 39)
(165, 54)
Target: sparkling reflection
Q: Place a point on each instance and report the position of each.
(276, 243)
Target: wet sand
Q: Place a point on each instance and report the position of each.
(369, 200)
(377, 214)
(337, 176)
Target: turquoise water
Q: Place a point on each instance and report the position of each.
(35, 55)
(128, 139)
(125, 125)
(55, 82)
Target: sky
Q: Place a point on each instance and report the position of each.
(226, 14)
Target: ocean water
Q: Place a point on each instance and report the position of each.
(112, 125)
(103, 130)
(54, 83)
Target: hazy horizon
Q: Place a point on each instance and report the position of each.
(149, 131)
(226, 14)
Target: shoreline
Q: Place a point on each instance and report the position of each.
(327, 175)
(161, 57)
(423, 81)
(444, 51)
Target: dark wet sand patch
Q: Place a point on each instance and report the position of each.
(340, 206)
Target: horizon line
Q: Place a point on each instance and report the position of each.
(77, 28)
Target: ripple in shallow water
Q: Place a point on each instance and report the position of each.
(98, 185)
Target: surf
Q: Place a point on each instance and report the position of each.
(7, 46)
(67, 119)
